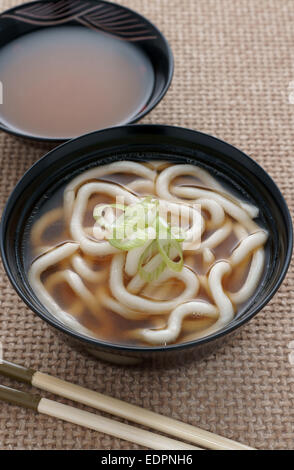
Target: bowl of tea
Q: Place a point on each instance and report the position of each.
(71, 67)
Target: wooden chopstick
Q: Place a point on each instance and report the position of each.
(91, 420)
(120, 408)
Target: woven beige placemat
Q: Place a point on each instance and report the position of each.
(234, 62)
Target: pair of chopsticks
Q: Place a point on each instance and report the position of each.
(109, 405)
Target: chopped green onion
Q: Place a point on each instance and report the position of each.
(165, 247)
(142, 236)
(126, 245)
(146, 275)
(132, 229)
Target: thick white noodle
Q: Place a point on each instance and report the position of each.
(255, 270)
(100, 171)
(166, 176)
(222, 301)
(109, 302)
(247, 245)
(143, 187)
(217, 237)
(133, 258)
(240, 231)
(76, 284)
(208, 256)
(253, 211)
(231, 208)
(76, 225)
(180, 211)
(84, 270)
(97, 232)
(252, 279)
(109, 215)
(34, 275)
(216, 212)
(149, 306)
(137, 283)
(174, 325)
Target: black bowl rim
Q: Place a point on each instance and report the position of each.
(202, 138)
(141, 115)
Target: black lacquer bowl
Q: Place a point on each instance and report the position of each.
(137, 143)
(98, 15)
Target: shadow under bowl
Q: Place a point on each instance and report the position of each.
(147, 142)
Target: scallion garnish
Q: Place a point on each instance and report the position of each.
(139, 223)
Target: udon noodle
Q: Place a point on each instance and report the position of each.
(140, 287)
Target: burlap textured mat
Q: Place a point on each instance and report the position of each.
(234, 62)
